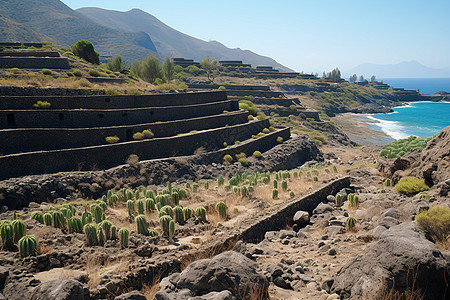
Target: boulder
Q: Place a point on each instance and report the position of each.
(301, 218)
(68, 289)
(392, 212)
(229, 271)
(322, 208)
(134, 295)
(400, 258)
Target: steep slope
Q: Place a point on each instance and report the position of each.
(37, 19)
(171, 42)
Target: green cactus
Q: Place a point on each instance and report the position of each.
(275, 184)
(140, 207)
(164, 222)
(315, 178)
(14, 216)
(70, 207)
(86, 218)
(353, 200)
(161, 200)
(124, 234)
(339, 199)
(194, 187)
(244, 191)
(221, 208)
(106, 226)
(97, 213)
(295, 174)
(113, 200)
(178, 214)
(149, 194)
(201, 213)
(66, 212)
(182, 193)
(207, 185)
(102, 204)
(74, 224)
(284, 185)
(168, 210)
(59, 221)
(169, 186)
(350, 223)
(220, 180)
(153, 232)
(48, 219)
(91, 234)
(101, 236)
(130, 208)
(188, 213)
(274, 193)
(187, 186)
(335, 170)
(171, 229)
(387, 182)
(292, 194)
(6, 234)
(176, 198)
(141, 224)
(37, 215)
(149, 205)
(113, 232)
(28, 246)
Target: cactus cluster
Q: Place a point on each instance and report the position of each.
(38, 216)
(353, 200)
(200, 212)
(74, 224)
(339, 199)
(28, 246)
(141, 224)
(221, 209)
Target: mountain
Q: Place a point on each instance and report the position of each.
(171, 42)
(407, 69)
(53, 21)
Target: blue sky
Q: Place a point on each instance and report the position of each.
(313, 35)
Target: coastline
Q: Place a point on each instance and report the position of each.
(362, 130)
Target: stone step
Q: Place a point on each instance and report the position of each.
(79, 118)
(34, 139)
(28, 53)
(262, 94)
(34, 62)
(232, 87)
(112, 102)
(107, 156)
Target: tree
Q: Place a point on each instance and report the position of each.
(353, 78)
(335, 75)
(361, 78)
(150, 69)
(210, 67)
(372, 78)
(85, 50)
(135, 67)
(194, 70)
(168, 69)
(115, 64)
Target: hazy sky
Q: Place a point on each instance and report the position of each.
(312, 35)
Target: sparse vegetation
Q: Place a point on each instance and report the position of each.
(411, 186)
(400, 147)
(436, 224)
(112, 139)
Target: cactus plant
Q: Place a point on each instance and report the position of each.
(175, 198)
(284, 185)
(353, 200)
(292, 194)
(48, 219)
(101, 236)
(106, 226)
(124, 234)
(350, 223)
(194, 187)
(37, 215)
(187, 212)
(171, 229)
(221, 208)
(165, 221)
(141, 224)
(315, 178)
(91, 234)
(339, 199)
(113, 232)
(66, 212)
(59, 221)
(207, 185)
(169, 186)
(201, 213)
(387, 182)
(335, 170)
(244, 191)
(178, 214)
(102, 204)
(274, 193)
(140, 207)
(168, 210)
(161, 200)
(130, 208)
(220, 180)
(74, 224)
(86, 218)
(6, 234)
(28, 246)
(149, 205)
(275, 183)
(153, 232)
(97, 213)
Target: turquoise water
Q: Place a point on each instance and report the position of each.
(422, 119)
(426, 86)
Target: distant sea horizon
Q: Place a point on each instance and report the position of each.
(427, 86)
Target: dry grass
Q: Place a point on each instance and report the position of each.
(411, 293)
(98, 265)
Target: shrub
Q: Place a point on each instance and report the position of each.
(266, 130)
(147, 134)
(77, 73)
(350, 223)
(138, 136)
(227, 159)
(112, 139)
(435, 222)
(14, 71)
(243, 161)
(42, 105)
(248, 106)
(221, 88)
(400, 147)
(411, 186)
(111, 91)
(250, 118)
(387, 182)
(271, 129)
(94, 73)
(257, 154)
(28, 246)
(85, 50)
(133, 159)
(47, 72)
(279, 140)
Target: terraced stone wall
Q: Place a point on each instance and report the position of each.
(231, 87)
(34, 63)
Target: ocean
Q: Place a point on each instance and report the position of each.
(422, 119)
(426, 86)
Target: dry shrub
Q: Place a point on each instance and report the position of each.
(199, 151)
(410, 293)
(436, 224)
(149, 290)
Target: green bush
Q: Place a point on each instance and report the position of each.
(47, 72)
(257, 154)
(400, 147)
(85, 50)
(435, 222)
(243, 162)
(266, 130)
(77, 73)
(42, 105)
(14, 71)
(411, 186)
(279, 140)
(248, 106)
(221, 88)
(112, 139)
(227, 159)
(94, 73)
(138, 136)
(147, 134)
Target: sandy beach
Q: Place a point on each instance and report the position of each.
(360, 130)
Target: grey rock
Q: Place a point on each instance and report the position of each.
(331, 199)
(391, 212)
(68, 289)
(134, 295)
(301, 218)
(400, 252)
(377, 231)
(4, 272)
(224, 295)
(322, 208)
(280, 282)
(388, 222)
(288, 234)
(335, 230)
(332, 251)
